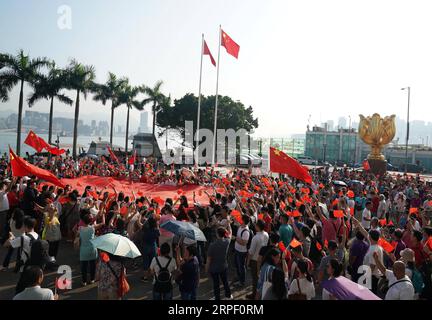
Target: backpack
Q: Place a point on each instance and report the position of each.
(163, 279)
(20, 262)
(38, 253)
(251, 235)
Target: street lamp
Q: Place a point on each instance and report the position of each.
(407, 133)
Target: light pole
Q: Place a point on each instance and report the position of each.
(407, 133)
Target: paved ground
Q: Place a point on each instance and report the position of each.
(139, 290)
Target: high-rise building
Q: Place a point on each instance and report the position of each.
(342, 123)
(144, 127)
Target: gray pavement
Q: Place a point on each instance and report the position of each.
(139, 290)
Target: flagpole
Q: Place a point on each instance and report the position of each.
(199, 104)
(216, 99)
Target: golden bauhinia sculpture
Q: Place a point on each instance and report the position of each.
(377, 132)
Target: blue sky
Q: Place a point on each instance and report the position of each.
(325, 58)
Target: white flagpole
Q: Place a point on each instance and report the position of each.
(199, 104)
(216, 99)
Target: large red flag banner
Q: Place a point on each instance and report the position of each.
(149, 190)
(21, 168)
(231, 47)
(207, 52)
(282, 163)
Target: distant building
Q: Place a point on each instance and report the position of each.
(103, 128)
(342, 123)
(332, 146)
(144, 127)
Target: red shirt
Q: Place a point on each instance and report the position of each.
(13, 199)
(268, 220)
(419, 254)
(331, 229)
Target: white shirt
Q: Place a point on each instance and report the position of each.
(366, 214)
(370, 261)
(381, 211)
(163, 262)
(306, 287)
(403, 290)
(4, 202)
(242, 233)
(35, 293)
(232, 205)
(16, 243)
(258, 241)
(324, 209)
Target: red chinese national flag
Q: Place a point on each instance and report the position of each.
(112, 155)
(34, 141)
(55, 151)
(282, 163)
(21, 168)
(206, 51)
(231, 47)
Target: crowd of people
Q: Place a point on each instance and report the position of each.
(283, 237)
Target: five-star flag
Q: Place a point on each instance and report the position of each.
(206, 51)
(282, 163)
(21, 168)
(231, 47)
(37, 143)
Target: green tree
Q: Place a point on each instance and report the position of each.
(231, 114)
(49, 87)
(127, 96)
(110, 91)
(157, 100)
(18, 69)
(80, 78)
(4, 89)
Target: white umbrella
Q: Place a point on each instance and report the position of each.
(116, 245)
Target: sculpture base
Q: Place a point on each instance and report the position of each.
(378, 167)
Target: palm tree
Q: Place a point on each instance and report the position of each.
(49, 87)
(110, 91)
(3, 88)
(19, 69)
(80, 78)
(127, 96)
(156, 98)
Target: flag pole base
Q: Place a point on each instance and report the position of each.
(377, 166)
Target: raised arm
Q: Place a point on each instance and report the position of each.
(358, 225)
